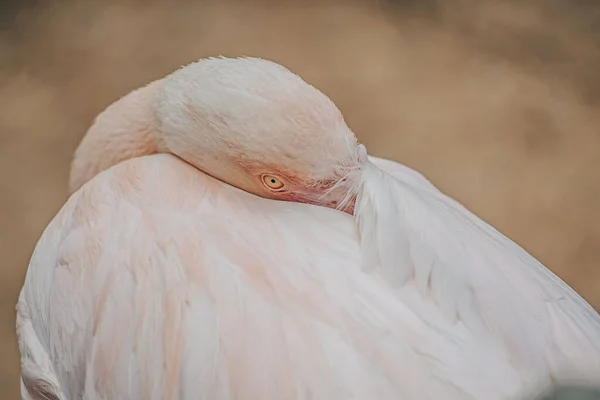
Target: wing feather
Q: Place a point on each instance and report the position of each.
(478, 274)
(155, 281)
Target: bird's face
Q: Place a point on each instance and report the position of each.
(336, 191)
(303, 152)
(257, 126)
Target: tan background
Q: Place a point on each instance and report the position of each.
(494, 101)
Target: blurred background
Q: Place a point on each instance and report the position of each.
(495, 101)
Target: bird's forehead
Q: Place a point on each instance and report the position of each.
(295, 135)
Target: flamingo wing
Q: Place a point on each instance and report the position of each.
(156, 281)
(478, 276)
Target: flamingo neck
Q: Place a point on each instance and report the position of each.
(124, 130)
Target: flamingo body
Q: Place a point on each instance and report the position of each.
(157, 281)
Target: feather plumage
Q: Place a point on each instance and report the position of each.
(157, 281)
(183, 300)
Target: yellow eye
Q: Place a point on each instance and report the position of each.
(272, 182)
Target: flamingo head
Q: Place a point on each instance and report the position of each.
(257, 126)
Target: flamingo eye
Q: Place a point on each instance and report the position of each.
(272, 182)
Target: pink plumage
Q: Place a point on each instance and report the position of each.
(186, 266)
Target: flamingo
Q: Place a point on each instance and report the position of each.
(227, 237)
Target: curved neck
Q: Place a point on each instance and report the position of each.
(126, 129)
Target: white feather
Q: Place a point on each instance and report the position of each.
(180, 301)
(416, 238)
